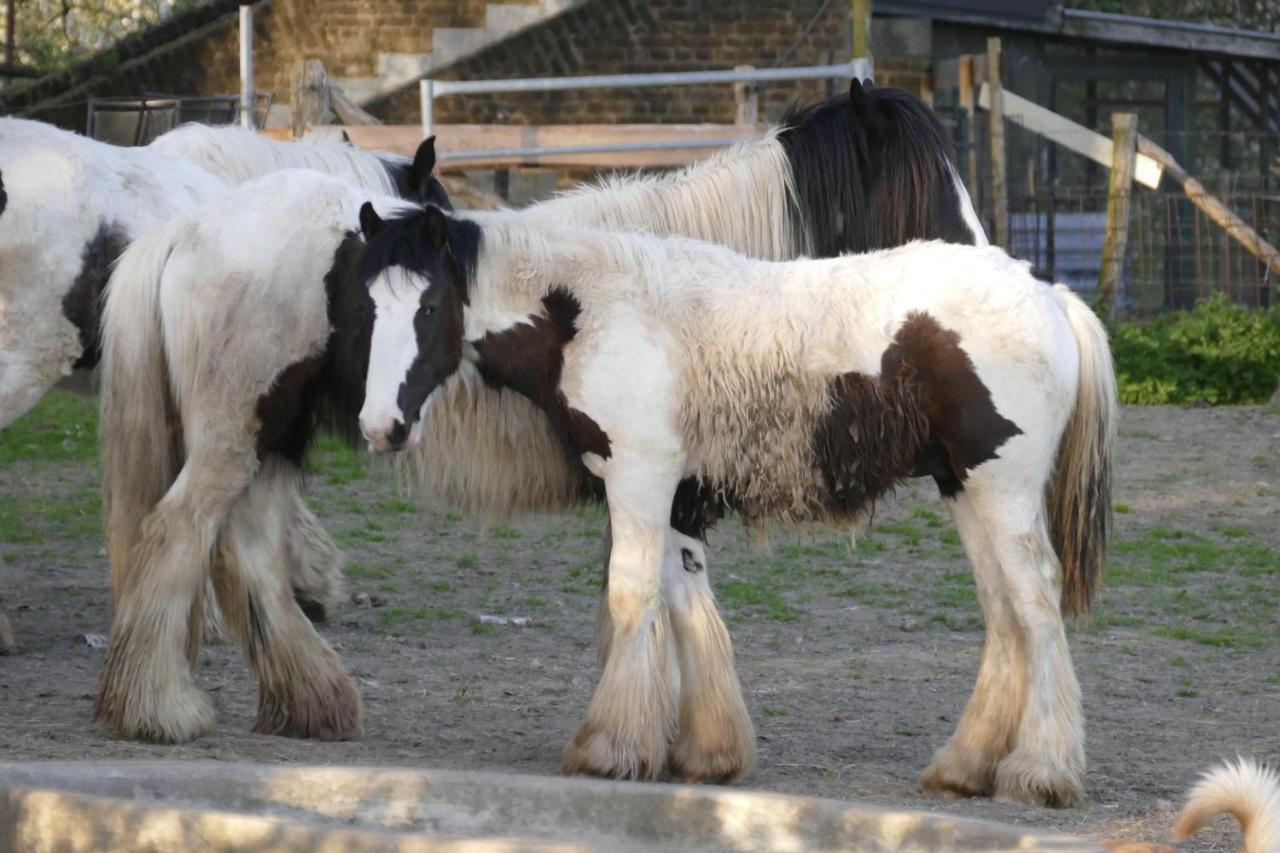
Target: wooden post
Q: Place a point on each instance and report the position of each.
(1124, 156)
(308, 96)
(999, 183)
(860, 10)
(747, 98)
(965, 75)
(1214, 209)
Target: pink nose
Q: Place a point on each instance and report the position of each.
(390, 435)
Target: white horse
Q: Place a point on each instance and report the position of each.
(767, 198)
(68, 207)
(799, 390)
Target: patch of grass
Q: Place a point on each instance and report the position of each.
(480, 629)
(1234, 532)
(505, 533)
(903, 731)
(35, 519)
(1180, 662)
(442, 586)
(338, 462)
(928, 516)
(773, 712)
(63, 427)
(1121, 508)
(755, 598)
(1185, 688)
(1272, 679)
(467, 561)
(1228, 637)
(909, 533)
(399, 506)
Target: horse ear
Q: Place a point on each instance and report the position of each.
(865, 106)
(436, 227)
(424, 160)
(346, 138)
(370, 222)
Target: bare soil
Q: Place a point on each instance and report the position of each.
(856, 665)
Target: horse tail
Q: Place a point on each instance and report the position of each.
(1079, 494)
(1246, 791)
(140, 427)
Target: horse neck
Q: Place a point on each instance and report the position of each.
(742, 198)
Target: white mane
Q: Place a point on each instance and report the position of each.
(740, 197)
(237, 155)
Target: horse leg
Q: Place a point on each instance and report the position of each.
(302, 688)
(630, 719)
(1047, 764)
(966, 765)
(714, 737)
(146, 691)
(314, 562)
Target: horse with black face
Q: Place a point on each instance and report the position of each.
(69, 205)
(799, 391)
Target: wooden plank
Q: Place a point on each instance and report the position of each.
(1068, 134)
(308, 96)
(404, 139)
(964, 82)
(347, 110)
(860, 12)
(1222, 215)
(1124, 133)
(999, 179)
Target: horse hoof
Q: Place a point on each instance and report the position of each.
(329, 710)
(177, 715)
(595, 752)
(960, 773)
(1033, 780)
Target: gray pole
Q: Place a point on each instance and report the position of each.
(246, 66)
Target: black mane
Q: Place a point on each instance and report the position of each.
(870, 170)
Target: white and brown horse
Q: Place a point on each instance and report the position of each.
(801, 390)
(766, 198)
(68, 207)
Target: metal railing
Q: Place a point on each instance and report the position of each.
(429, 90)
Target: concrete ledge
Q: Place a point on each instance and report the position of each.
(182, 806)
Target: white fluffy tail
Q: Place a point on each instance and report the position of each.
(1248, 792)
(140, 427)
(1079, 498)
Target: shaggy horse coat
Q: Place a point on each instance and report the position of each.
(797, 391)
(891, 151)
(68, 207)
(216, 370)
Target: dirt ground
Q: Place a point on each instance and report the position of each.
(856, 665)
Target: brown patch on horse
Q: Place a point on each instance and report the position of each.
(528, 359)
(965, 429)
(870, 438)
(286, 412)
(926, 414)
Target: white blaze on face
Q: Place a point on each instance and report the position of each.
(394, 346)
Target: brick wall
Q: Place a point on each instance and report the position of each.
(347, 35)
(602, 36)
(633, 36)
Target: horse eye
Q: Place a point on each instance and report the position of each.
(429, 310)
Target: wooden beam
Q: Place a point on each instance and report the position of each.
(308, 96)
(999, 181)
(965, 84)
(1068, 134)
(860, 12)
(404, 139)
(1124, 134)
(347, 110)
(1222, 215)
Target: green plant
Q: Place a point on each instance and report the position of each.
(1217, 352)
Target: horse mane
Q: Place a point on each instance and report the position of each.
(237, 155)
(741, 197)
(869, 169)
